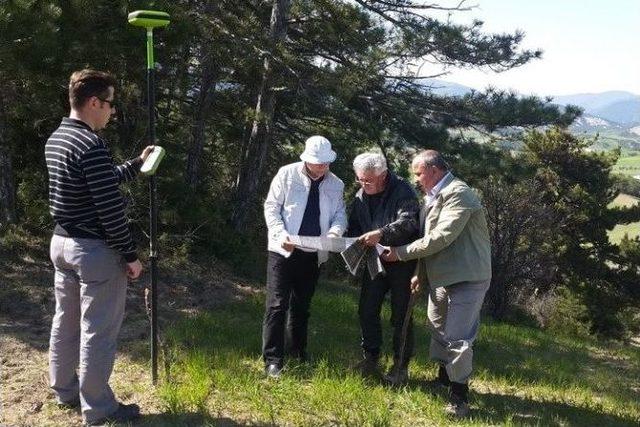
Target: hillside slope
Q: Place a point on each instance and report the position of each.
(211, 323)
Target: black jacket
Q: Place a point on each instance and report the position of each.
(396, 214)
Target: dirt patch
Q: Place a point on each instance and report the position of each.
(26, 308)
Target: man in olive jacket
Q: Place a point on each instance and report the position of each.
(455, 261)
(384, 210)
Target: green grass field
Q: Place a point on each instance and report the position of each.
(619, 231)
(523, 376)
(628, 165)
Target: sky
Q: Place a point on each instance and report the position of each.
(589, 46)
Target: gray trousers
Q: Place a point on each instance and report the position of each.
(90, 292)
(454, 318)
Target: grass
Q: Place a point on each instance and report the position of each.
(523, 376)
(631, 230)
(628, 165)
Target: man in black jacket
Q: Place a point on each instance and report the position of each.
(385, 211)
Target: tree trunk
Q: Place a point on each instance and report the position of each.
(7, 189)
(8, 213)
(202, 108)
(498, 301)
(253, 159)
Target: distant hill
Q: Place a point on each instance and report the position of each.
(440, 87)
(615, 106)
(613, 116)
(594, 101)
(626, 112)
(589, 123)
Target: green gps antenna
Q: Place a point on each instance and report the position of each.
(150, 19)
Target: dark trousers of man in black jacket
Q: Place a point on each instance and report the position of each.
(372, 295)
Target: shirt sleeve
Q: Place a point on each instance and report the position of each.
(128, 170)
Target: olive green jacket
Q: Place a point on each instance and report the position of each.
(455, 247)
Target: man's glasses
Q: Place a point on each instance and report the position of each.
(371, 181)
(112, 103)
(364, 181)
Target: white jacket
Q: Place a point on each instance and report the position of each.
(287, 200)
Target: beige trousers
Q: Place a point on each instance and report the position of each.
(454, 318)
(90, 292)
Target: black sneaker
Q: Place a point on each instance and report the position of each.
(273, 370)
(458, 406)
(397, 376)
(457, 409)
(368, 366)
(123, 414)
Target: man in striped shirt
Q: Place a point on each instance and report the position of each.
(92, 251)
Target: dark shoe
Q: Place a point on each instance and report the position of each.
(368, 366)
(123, 414)
(458, 406)
(273, 370)
(397, 375)
(72, 404)
(457, 410)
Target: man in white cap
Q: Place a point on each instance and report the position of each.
(304, 199)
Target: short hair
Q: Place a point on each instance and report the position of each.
(431, 158)
(86, 83)
(370, 161)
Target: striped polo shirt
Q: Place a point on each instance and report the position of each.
(84, 199)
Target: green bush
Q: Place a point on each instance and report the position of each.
(566, 314)
(33, 206)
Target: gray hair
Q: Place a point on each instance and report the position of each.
(370, 161)
(431, 158)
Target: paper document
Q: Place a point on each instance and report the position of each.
(331, 244)
(355, 254)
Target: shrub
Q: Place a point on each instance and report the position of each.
(561, 311)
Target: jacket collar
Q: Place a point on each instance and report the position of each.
(68, 121)
(306, 179)
(444, 181)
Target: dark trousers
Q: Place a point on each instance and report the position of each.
(291, 283)
(397, 280)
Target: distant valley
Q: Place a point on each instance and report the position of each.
(614, 117)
